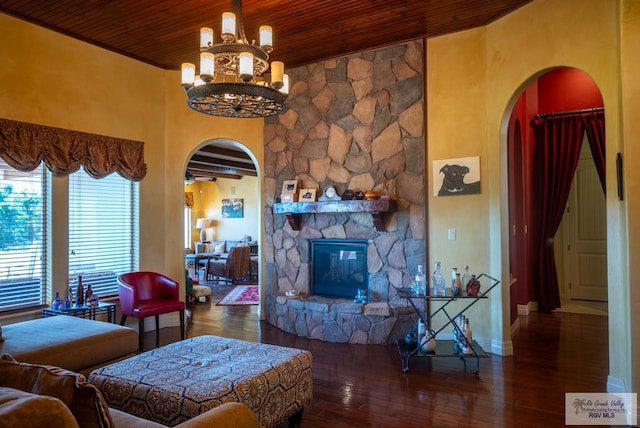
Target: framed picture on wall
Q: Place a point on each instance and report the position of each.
(459, 176)
(233, 208)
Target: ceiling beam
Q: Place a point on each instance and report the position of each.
(198, 173)
(213, 162)
(211, 168)
(221, 152)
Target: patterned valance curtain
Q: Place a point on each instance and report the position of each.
(24, 145)
(188, 199)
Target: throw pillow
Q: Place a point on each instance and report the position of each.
(19, 408)
(83, 399)
(219, 248)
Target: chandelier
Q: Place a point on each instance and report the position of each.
(232, 80)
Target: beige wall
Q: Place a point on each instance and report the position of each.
(467, 116)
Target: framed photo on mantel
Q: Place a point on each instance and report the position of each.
(289, 191)
(307, 195)
(289, 186)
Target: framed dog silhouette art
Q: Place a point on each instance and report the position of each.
(459, 176)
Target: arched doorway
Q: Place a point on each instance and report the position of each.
(561, 91)
(223, 173)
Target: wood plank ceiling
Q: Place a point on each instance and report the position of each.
(165, 33)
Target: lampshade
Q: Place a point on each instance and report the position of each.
(202, 224)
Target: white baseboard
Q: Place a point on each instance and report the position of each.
(515, 327)
(501, 348)
(528, 308)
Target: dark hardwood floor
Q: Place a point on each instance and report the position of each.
(364, 386)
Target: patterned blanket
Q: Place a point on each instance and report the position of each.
(176, 382)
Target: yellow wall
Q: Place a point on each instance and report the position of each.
(627, 323)
(207, 203)
(473, 80)
(50, 79)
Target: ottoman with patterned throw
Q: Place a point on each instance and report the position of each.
(176, 382)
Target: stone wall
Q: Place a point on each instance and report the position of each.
(357, 123)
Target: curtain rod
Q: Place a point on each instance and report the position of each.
(570, 112)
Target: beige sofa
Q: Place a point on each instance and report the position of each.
(43, 396)
(74, 343)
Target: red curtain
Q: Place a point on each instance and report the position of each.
(594, 126)
(557, 149)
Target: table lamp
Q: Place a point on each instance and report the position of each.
(202, 224)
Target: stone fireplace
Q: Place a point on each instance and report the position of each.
(355, 123)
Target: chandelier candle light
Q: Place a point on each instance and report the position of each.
(232, 73)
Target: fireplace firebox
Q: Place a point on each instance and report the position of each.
(339, 267)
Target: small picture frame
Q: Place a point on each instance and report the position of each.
(307, 195)
(289, 187)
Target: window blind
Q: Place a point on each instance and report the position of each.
(103, 230)
(23, 207)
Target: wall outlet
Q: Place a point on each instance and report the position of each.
(451, 233)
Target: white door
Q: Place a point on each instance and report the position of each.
(587, 245)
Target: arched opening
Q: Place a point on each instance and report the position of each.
(222, 193)
(579, 242)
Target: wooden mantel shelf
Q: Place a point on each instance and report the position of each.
(293, 210)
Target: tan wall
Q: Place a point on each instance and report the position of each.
(493, 65)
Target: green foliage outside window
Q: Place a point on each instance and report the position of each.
(21, 218)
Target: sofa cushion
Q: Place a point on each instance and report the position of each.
(70, 342)
(220, 248)
(19, 408)
(83, 399)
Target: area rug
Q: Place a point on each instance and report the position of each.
(241, 295)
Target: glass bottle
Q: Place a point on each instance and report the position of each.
(56, 302)
(456, 286)
(465, 277)
(88, 295)
(421, 282)
(473, 286)
(454, 271)
(79, 292)
(462, 340)
(468, 337)
(439, 284)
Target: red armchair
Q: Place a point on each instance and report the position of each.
(145, 294)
